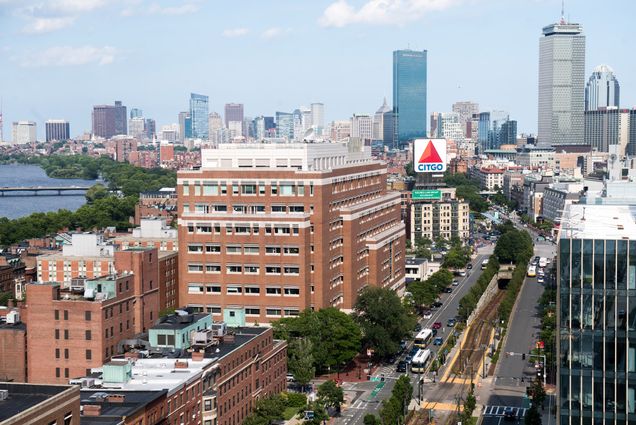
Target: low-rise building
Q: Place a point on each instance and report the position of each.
(152, 232)
(13, 362)
(557, 196)
(105, 407)
(161, 203)
(490, 178)
(28, 404)
(420, 268)
(446, 218)
(535, 157)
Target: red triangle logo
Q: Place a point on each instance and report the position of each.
(430, 154)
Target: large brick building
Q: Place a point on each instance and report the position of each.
(27, 404)
(267, 230)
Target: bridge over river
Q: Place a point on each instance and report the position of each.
(41, 190)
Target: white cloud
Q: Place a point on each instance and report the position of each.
(76, 6)
(44, 25)
(235, 32)
(380, 12)
(274, 32)
(182, 9)
(69, 56)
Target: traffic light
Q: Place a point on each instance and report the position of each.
(523, 356)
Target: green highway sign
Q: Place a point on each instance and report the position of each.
(426, 194)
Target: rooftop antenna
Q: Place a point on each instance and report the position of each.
(562, 12)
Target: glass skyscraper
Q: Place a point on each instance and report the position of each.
(596, 305)
(602, 89)
(285, 125)
(409, 94)
(496, 129)
(199, 115)
(561, 84)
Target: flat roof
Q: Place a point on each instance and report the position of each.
(112, 413)
(583, 221)
(25, 396)
(172, 321)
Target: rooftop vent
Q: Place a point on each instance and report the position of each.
(4, 394)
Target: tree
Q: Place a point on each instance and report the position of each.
(301, 360)
(330, 395)
(533, 417)
(391, 411)
(403, 390)
(97, 191)
(371, 419)
(538, 392)
(383, 319)
(514, 246)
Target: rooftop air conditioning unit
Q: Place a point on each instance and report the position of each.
(4, 394)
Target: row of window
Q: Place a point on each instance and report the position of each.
(201, 208)
(198, 248)
(212, 188)
(199, 288)
(245, 229)
(252, 311)
(243, 269)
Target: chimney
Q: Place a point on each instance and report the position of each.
(180, 364)
(92, 410)
(197, 356)
(115, 398)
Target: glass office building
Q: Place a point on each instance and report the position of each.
(596, 305)
(409, 94)
(199, 110)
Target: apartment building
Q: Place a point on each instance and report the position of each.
(71, 330)
(446, 218)
(491, 178)
(267, 230)
(28, 404)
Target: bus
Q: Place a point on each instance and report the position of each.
(423, 338)
(532, 271)
(419, 362)
(484, 264)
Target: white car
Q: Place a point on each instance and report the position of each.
(427, 314)
(455, 282)
(539, 279)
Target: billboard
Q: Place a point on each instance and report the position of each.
(426, 194)
(429, 155)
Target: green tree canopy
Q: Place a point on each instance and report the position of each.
(514, 246)
(301, 360)
(330, 394)
(383, 318)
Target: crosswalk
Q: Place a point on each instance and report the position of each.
(519, 412)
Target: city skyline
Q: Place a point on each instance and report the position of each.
(41, 67)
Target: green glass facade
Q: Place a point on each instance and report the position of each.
(597, 331)
(409, 94)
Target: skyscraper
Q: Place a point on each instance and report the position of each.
(449, 126)
(109, 120)
(136, 113)
(362, 126)
(57, 130)
(151, 128)
(318, 116)
(465, 111)
(199, 115)
(596, 277)
(185, 126)
(233, 112)
(608, 126)
(409, 94)
(496, 129)
(285, 125)
(378, 121)
(602, 89)
(561, 84)
(24, 132)
(137, 127)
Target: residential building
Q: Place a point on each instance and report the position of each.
(445, 218)
(24, 132)
(512, 179)
(533, 189)
(340, 130)
(28, 404)
(362, 126)
(123, 148)
(111, 406)
(13, 348)
(420, 268)
(151, 129)
(448, 126)
(608, 126)
(109, 120)
(199, 111)
(166, 152)
(152, 232)
(559, 195)
(233, 112)
(631, 146)
(265, 230)
(378, 121)
(161, 203)
(490, 178)
(602, 89)
(57, 130)
(466, 110)
(409, 94)
(596, 278)
(73, 329)
(561, 84)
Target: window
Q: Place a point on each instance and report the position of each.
(279, 208)
(56, 314)
(233, 249)
(57, 372)
(65, 333)
(87, 335)
(57, 353)
(89, 354)
(65, 314)
(66, 374)
(68, 418)
(207, 405)
(213, 248)
(223, 188)
(215, 289)
(292, 291)
(66, 353)
(252, 311)
(270, 312)
(213, 268)
(272, 270)
(293, 270)
(296, 209)
(242, 230)
(291, 250)
(195, 288)
(251, 249)
(235, 188)
(248, 189)
(57, 334)
(234, 290)
(275, 290)
(204, 228)
(234, 268)
(251, 269)
(219, 208)
(195, 268)
(210, 189)
(287, 189)
(254, 290)
(274, 188)
(195, 248)
(272, 250)
(291, 312)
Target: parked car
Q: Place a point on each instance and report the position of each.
(437, 325)
(448, 290)
(417, 327)
(437, 304)
(462, 273)
(401, 367)
(402, 345)
(408, 359)
(469, 266)
(540, 279)
(455, 282)
(438, 341)
(427, 314)
(290, 377)
(451, 323)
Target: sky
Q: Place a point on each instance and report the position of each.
(60, 57)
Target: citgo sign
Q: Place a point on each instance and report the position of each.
(429, 155)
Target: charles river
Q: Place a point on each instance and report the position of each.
(14, 206)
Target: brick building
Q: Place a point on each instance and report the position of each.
(125, 408)
(268, 230)
(161, 203)
(13, 361)
(28, 404)
(71, 330)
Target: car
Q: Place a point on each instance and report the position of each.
(417, 327)
(462, 273)
(437, 304)
(433, 332)
(402, 345)
(413, 351)
(510, 414)
(455, 282)
(540, 280)
(392, 358)
(427, 314)
(401, 367)
(437, 325)
(451, 323)
(469, 266)
(290, 377)
(408, 359)
(438, 341)
(448, 290)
